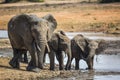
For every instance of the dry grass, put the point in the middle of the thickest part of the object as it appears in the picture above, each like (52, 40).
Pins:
(73, 17)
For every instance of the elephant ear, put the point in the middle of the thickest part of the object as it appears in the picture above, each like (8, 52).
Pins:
(80, 41)
(93, 44)
(62, 37)
(52, 20)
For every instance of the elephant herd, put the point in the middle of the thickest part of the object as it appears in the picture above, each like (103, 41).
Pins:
(37, 35)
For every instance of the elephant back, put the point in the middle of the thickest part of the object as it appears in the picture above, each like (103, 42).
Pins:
(80, 41)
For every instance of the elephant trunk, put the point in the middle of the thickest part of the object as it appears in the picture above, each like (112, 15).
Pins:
(90, 54)
(68, 52)
(40, 47)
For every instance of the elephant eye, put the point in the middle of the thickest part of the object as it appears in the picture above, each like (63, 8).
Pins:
(35, 23)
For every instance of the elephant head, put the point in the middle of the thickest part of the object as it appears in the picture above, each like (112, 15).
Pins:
(42, 27)
(32, 33)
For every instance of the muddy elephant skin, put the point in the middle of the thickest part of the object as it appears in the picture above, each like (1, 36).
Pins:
(59, 43)
(83, 48)
(30, 33)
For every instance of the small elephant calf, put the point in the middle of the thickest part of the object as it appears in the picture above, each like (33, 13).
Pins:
(83, 48)
(58, 43)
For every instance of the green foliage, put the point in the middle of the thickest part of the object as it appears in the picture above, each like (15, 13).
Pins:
(36, 0)
(108, 1)
(9, 1)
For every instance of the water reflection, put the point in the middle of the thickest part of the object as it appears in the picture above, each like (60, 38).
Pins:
(3, 34)
(107, 77)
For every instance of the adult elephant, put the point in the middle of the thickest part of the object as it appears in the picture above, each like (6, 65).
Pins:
(30, 33)
(59, 43)
(83, 48)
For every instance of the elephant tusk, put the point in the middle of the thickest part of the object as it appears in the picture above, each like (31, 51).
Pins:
(48, 48)
(38, 47)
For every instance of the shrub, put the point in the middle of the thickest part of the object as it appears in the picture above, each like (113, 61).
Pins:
(36, 0)
(108, 1)
(8, 1)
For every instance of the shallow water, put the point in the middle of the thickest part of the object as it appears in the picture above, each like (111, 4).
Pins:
(107, 77)
(91, 35)
(94, 36)
(102, 63)
(3, 34)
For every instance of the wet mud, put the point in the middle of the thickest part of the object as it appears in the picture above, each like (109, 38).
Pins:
(106, 65)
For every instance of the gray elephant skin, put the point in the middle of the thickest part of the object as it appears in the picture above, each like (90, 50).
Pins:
(83, 48)
(30, 33)
(59, 43)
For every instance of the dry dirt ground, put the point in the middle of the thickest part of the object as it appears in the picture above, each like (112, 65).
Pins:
(71, 16)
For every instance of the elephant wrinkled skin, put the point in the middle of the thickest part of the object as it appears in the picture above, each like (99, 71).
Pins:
(83, 48)
(30, 33)
(58, 43)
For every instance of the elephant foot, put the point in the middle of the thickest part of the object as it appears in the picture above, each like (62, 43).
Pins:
(89, 68)
(40, 66)
(52, 69)
(76, 68)
(67, 68)
(14, 64)
(24, 62)
(33, 69)
(61, 68)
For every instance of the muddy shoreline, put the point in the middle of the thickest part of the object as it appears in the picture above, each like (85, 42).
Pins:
(8, 73)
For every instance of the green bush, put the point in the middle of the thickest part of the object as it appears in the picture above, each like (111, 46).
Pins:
(108, 1)
(9, 1)
(36, 0)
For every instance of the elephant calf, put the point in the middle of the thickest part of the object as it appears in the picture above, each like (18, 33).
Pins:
(58, 43)
(83, 48)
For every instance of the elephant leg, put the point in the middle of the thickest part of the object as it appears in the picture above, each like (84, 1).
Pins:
(33, 64)
(14, 62)
(70, 64)
(44, 58)
(90, 63)
(59, 56)
(77, 64)
(52, 60)
(25, 56)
